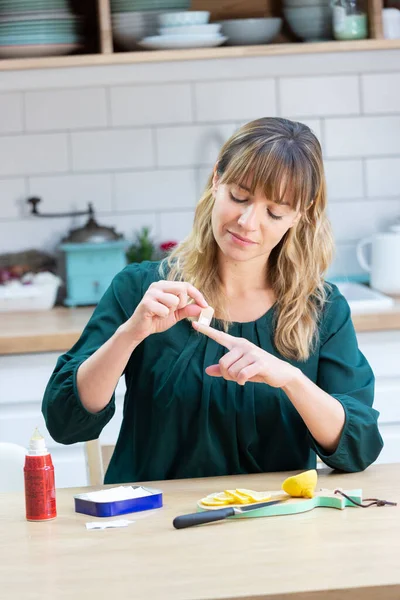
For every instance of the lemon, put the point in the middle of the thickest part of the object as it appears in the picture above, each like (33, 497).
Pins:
(302, 485)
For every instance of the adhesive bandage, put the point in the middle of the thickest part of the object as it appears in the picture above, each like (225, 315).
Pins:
(206, 315)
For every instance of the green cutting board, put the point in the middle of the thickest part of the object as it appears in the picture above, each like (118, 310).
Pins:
(291, 506)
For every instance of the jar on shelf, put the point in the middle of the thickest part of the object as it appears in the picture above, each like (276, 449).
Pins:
(350, 21)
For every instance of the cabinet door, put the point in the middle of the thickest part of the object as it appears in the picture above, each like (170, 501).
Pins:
(382, 350)
(23, 379)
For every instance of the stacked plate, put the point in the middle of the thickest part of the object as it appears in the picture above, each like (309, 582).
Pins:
(31, 28)
(127, 6)
(189, 29)
(133, 20)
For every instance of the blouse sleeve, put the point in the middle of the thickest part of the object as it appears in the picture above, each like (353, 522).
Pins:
(344, 373)
(66, 418)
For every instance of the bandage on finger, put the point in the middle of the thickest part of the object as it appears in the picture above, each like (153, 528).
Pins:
(206, 315)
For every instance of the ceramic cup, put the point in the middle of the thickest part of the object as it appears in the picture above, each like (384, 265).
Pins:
(391, 23)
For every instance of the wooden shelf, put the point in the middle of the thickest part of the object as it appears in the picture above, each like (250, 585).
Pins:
(120, 58)
(220, 8)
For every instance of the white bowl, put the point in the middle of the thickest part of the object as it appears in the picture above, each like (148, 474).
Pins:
(188, 17)
(208, 29)
(41, 294)
(130, 28)
(243, 32)
(310, 23)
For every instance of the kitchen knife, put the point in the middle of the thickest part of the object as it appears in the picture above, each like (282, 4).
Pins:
(209, 516)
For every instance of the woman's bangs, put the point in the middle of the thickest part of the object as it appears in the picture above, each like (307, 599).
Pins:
(283, 178)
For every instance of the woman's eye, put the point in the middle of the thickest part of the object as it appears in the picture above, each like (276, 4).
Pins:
(232, 197)
(274, 216)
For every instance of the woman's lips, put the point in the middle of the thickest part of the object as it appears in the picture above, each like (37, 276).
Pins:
(242, 241)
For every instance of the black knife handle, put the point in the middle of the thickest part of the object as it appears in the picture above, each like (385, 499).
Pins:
(199, 518)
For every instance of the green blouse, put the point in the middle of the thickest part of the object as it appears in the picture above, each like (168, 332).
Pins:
(178, 422)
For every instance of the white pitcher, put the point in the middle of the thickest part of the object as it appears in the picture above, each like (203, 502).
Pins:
(385, 260)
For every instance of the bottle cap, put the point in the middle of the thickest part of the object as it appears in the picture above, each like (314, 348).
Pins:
(37, 445)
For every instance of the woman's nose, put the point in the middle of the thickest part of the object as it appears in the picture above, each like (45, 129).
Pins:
(248, 218)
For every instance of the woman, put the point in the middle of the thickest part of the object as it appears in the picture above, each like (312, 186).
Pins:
(276, 380)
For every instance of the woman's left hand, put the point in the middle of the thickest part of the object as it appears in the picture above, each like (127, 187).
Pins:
(246, 361)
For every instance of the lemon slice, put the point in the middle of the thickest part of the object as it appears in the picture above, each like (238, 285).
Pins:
(219, 499)
(253, 496)
(237, 497)
(213, 502)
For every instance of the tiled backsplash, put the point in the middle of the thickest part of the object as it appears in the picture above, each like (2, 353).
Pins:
(138, 141)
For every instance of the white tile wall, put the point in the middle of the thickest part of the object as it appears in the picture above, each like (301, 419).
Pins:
(11, 113)
(169, 190)
(190, 145)
(362, 136)
(151, 104)
(344, 179)
(383, 176)
(13, 193)
(235, 100)
(203, 173)
(175, 225)
(344, 216)
(29, 154)
(381, 92)
(310, 96)
(112, 149)
(140, 140)
(65, 109)
(74, 191)
(383, 61)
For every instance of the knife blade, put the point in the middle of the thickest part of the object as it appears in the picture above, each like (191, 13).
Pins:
(209, 516)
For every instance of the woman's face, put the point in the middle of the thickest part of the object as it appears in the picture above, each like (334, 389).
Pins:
(248, 226)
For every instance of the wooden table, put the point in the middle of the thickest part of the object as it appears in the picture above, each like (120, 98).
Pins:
(354, 554)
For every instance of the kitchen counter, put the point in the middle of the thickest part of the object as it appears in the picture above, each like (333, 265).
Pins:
(351, 554)
(57, 330)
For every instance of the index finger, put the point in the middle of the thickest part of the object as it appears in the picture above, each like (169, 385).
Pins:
(218, 336)
(194, 293)
(180, 286)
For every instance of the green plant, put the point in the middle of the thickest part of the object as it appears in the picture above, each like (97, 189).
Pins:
(143, 247)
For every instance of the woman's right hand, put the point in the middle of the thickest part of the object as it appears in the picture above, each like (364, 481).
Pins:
(163, 305)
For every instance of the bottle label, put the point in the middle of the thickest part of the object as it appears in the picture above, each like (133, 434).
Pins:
(40, 494)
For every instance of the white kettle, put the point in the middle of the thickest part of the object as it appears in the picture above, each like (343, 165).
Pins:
(385, 260)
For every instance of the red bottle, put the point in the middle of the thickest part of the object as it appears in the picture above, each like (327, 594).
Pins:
(40, 491)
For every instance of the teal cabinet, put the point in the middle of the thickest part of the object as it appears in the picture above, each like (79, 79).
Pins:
(90, 269)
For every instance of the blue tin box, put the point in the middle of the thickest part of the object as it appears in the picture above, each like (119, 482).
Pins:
(119, 507)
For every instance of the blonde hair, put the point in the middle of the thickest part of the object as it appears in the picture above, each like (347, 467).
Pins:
(284, 159)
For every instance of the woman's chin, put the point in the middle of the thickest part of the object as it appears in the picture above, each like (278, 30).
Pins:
(236, 254)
